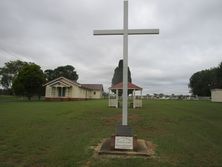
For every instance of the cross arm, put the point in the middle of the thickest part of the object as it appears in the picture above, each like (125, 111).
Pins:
(142, 31)
(108, 32)
(130, 32)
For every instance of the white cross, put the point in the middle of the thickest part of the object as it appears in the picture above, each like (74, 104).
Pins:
(125, 32)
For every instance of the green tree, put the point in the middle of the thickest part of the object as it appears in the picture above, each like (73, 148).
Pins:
(67, 71)
(203, 81)
(49, 74)
(219, 76)
(29, 81)
(6, 81)
(9, 72)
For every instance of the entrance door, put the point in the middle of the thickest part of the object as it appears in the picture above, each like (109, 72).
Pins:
(61, 91)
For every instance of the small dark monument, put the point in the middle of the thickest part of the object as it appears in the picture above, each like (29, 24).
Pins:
(124, 142)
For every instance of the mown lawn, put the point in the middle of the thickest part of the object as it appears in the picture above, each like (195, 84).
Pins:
(58, 134)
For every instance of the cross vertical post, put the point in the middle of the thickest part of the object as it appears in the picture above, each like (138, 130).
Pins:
(125, 65)
(125, 32)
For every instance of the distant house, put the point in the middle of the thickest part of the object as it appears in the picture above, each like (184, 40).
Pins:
(216, 95)
(64, 89)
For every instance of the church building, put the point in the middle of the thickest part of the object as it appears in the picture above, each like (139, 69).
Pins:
(64, 89)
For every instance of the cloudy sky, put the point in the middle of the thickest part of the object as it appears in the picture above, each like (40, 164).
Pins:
(55, 33)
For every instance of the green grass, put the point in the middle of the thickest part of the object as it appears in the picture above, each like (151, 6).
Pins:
(60, 134)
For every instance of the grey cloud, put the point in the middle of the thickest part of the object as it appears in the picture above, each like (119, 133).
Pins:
(53, 33)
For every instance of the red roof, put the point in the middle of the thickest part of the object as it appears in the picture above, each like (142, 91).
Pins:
(93, 86)
(130, 86)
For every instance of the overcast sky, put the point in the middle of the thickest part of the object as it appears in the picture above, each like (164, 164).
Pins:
(54, 33)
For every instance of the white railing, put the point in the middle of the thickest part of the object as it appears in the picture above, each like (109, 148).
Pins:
(113, 103)
(137, 103)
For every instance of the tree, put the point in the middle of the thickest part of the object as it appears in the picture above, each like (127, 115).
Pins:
(49, 74)
(9, 72)
(6, 81)
(29, 81)
(219, 76)
(203, 81)
(118, 74)
(67, 71)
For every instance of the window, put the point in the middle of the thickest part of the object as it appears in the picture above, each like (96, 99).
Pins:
(94, 93)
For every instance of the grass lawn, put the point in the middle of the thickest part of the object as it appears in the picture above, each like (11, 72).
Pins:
(58, 134)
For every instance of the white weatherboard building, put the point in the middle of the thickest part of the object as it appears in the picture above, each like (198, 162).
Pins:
(216, 95)
(64, 89)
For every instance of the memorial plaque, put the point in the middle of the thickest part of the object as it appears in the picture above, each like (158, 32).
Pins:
(123, 142)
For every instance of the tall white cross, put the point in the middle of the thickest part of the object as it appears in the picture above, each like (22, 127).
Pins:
(125, 32)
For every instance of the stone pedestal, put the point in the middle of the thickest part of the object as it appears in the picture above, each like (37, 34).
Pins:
(141, 148)
(123, 139)
(123, 142)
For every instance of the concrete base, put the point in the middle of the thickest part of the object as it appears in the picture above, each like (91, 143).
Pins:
(144, 148)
